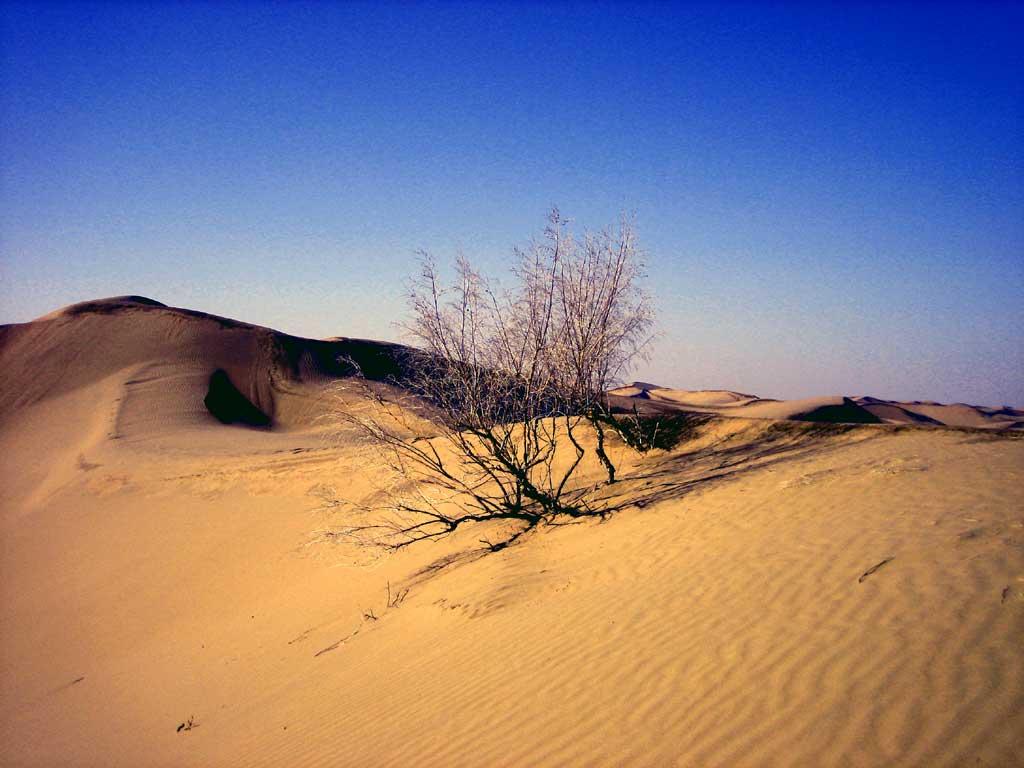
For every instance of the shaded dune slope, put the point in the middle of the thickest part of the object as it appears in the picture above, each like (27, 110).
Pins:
(175, 367)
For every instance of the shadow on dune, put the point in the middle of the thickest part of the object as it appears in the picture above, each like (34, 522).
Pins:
(664, 432)
(731, 457)
(847, 413)
(683, 472)
(229, 406)
(340, 358)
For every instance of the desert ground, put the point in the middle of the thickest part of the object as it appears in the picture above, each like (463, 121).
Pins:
(832, 582)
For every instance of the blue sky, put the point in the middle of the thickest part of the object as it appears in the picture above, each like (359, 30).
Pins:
(832, 196)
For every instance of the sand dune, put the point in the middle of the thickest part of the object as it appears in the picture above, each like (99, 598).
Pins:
(769, 593)
(176, 368)
(704, 397)
(839, 409)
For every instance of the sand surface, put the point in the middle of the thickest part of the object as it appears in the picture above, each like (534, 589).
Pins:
(768, 593)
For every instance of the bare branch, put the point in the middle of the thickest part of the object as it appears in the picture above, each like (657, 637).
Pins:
(502, 382)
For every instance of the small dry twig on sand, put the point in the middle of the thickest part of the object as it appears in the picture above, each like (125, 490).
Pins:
(396, 600)
(188, 725)
(337, 644)
(874, 568)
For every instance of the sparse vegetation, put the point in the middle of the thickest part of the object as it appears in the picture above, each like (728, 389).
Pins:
(644, 433)
(397, 598)
(505, 397)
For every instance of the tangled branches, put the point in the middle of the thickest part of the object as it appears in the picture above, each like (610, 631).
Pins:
(503, 400)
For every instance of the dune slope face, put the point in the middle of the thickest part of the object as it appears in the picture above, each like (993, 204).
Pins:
(175, 367)
(767, 594)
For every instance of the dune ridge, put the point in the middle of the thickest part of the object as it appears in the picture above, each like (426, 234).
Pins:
(839, 409)
(171, 357)
(148, 344)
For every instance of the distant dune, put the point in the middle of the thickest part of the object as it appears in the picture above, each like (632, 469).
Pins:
(854, 410)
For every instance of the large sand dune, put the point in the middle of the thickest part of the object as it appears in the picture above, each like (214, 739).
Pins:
(175, 367)
(768, 593)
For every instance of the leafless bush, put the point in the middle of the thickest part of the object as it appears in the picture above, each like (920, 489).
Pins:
(505, 394)
(647, 432)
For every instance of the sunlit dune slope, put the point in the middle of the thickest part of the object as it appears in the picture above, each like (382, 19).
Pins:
(766, 593)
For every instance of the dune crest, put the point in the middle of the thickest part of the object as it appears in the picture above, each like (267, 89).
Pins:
(837, 409)
(169, 364)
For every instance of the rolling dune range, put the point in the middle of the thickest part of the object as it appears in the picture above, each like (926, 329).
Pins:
(841, 409)
(775, 591)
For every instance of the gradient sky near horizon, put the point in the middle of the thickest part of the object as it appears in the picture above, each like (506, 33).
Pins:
(831, 196)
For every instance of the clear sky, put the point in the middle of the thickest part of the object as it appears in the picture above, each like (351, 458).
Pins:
(832, 196)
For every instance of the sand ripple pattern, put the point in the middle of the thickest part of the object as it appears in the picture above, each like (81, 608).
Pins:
(731, 629)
